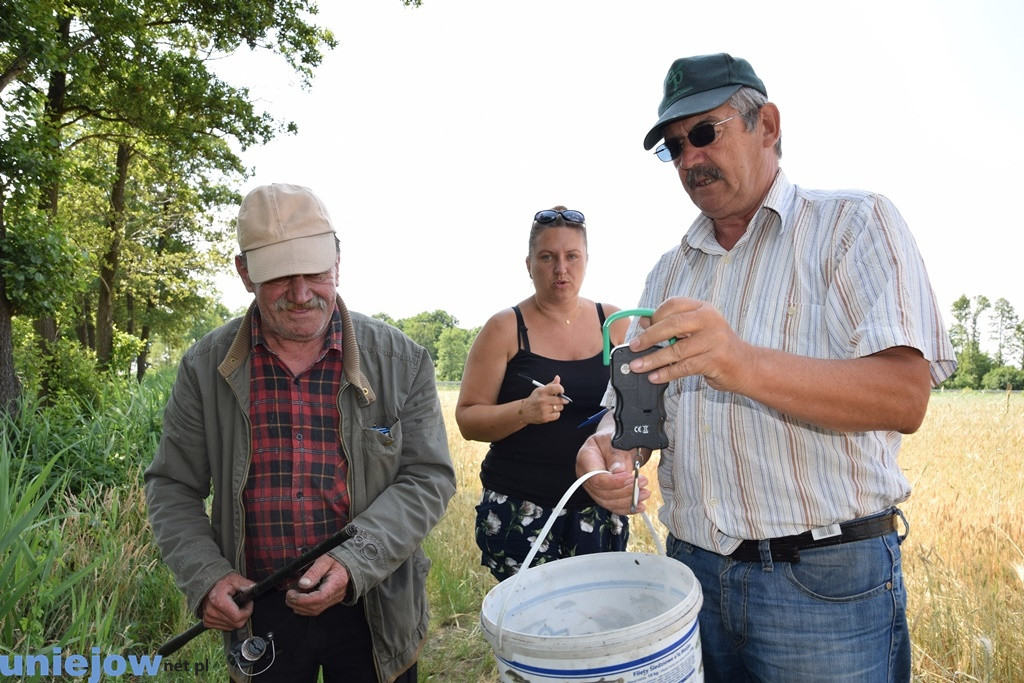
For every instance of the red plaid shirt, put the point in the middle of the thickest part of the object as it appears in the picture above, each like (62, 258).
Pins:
(296, 494)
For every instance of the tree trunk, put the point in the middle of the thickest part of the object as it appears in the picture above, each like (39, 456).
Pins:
(85, 330)
(142, 363)
(46, 325)
(110, 263)
(10, 386)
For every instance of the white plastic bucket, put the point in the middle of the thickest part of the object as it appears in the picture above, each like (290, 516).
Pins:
(618, 616)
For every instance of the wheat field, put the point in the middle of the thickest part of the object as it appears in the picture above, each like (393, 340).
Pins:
(963, 560)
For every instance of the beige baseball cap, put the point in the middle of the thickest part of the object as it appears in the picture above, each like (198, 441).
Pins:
(285, 230)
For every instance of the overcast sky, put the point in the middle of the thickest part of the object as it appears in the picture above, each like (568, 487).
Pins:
(434, 134)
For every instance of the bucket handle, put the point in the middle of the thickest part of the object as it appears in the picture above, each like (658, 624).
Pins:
(540, 541)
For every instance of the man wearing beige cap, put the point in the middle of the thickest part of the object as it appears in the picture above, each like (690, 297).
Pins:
(304, 418)
(806, 338)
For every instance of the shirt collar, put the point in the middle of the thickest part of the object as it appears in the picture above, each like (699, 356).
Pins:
(332, 342)
(778, 200)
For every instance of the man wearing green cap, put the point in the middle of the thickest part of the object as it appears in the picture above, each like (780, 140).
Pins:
(806, 339)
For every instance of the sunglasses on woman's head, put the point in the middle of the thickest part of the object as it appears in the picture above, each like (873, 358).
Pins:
(702, 135)
(549, 215)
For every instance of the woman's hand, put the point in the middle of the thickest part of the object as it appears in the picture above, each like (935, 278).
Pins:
(544, 404)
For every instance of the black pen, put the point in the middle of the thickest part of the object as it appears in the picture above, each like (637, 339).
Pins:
(541, 384)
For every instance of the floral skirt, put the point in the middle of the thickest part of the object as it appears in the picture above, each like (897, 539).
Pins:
(507, 527)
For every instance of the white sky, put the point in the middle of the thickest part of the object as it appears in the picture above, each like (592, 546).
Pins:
(434, 134)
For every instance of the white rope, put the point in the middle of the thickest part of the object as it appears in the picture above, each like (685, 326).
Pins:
(544, 534)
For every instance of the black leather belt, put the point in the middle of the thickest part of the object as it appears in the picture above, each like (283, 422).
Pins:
(787, 548)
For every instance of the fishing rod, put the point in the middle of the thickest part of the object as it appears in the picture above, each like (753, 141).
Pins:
(253, 592)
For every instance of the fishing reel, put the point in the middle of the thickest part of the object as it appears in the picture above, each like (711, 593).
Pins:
(252, 653)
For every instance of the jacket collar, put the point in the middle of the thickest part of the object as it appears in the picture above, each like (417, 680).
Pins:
(241, 346)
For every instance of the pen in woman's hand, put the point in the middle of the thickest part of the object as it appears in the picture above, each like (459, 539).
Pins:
(541, 384)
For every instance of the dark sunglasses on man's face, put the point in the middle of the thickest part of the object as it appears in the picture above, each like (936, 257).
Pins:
(702, 135)
(549, 215)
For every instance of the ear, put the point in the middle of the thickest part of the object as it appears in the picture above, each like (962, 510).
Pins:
(772, 123)
(243, 273)
(528, 271)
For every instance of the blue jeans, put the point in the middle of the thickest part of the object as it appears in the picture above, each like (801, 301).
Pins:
(839, 614)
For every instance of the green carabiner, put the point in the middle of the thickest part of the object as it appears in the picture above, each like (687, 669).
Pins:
(606, 329)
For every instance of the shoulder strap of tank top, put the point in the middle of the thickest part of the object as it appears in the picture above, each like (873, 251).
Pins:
(600, 314)
(524, 339)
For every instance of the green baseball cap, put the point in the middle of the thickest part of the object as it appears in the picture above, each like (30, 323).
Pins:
(699, 84)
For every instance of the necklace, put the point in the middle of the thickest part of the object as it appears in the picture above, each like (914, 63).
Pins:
(568, 321)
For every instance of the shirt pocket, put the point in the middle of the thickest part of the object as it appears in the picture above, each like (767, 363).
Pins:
(794, 327)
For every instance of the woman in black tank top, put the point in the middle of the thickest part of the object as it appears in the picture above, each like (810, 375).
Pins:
(555, 338)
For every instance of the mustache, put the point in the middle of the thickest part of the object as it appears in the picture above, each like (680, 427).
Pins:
(315, 303)
(698, 174)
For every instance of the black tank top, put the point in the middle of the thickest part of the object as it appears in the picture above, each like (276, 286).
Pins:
(538, 462)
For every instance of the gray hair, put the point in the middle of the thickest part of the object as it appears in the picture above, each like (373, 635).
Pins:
(748, 102)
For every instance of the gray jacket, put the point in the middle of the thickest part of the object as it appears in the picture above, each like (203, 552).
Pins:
(399, 483)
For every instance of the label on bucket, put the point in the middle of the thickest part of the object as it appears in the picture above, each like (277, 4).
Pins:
(678, 661)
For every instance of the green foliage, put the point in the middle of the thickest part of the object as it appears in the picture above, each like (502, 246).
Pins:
(972, 365)
(117, 154)
(1002, 324)
(384, 317)
(425, 329)
(1015, 345)
(32, 258)
(23, 499)
(438, 332)
(79, 569)
(101, 441)
(69, 369)
(452, 350)
(1003, 377)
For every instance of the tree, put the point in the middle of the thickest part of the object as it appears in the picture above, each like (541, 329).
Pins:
(1002, 378)
(452, 350)
(981, 304)
(958, 330)
(425, 329)
(1015, 344)
(384, 317)
(1004, 320)
(437, 332)
(972, 364)
(127, 80)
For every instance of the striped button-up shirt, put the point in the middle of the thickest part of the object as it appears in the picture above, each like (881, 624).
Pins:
(828, 275)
